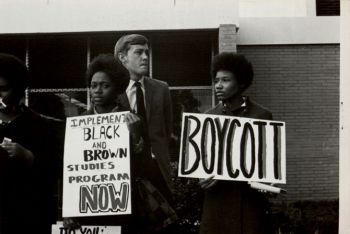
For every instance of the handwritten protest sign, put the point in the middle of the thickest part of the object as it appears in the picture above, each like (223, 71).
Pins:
(59, 229)
(96, 176)
(232, 148)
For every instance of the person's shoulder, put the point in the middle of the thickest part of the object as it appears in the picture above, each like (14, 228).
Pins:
(34, 116)
(257, 106)
(119, 108)
(259, 110)
(156, 82)
(215, 110)
(88, 112)
(44, 121)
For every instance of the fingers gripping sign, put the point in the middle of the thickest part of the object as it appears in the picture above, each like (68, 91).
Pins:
(17, 151)
(133, 122)
(207, 183)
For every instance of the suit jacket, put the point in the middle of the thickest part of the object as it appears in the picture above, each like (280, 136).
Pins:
(159, 120)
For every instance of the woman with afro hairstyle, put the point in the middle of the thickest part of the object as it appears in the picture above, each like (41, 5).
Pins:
(108, 79)
(233, 206)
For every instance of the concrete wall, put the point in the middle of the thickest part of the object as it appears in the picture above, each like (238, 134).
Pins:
(45, 16)
(277, 8)
(288, 30)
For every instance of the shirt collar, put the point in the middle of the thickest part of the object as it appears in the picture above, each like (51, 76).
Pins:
(115, 109)
(132, 82)
(235, 108)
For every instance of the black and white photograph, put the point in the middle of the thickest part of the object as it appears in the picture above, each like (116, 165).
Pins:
(174, 116)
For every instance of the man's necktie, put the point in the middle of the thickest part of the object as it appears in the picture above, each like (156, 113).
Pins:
(141, 111)
(140, 104)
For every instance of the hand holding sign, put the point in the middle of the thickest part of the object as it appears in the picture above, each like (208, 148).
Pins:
(134, 124)
(96, 177)
(71, 223)
(16, 150)
(207, 183)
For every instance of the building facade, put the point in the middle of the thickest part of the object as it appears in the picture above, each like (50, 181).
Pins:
(295, 54)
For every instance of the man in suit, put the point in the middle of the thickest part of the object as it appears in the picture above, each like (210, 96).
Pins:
(133, 52)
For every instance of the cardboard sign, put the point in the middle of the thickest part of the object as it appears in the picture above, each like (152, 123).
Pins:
(59, 229)
(232, 148)
(96, 174)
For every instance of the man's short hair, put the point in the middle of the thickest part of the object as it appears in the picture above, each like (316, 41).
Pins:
(15, 72)
(237, 64)
(108, 64)
(123, 44)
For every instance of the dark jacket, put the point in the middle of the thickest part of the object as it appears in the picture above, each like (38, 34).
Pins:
(27, 202)
(251, 110)
(232, 206)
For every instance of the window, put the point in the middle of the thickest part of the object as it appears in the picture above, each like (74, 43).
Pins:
(57, 64)
(183, 58)
(57, 61)
(327, 7)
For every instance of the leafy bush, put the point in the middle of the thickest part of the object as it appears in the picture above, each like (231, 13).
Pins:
(304, 217)
(188, 197)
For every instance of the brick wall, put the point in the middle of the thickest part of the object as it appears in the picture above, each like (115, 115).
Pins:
(300, 85)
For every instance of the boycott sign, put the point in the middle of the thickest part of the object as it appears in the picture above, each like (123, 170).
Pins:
(96, 174)
(232, 148)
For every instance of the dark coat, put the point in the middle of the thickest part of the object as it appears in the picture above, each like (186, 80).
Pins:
(252, 110)
(27, 202)
(232, 206)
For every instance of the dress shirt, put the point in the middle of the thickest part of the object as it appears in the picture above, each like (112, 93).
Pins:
(131, 93)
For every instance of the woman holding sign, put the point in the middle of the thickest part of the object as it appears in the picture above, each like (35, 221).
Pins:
(108, 79)
(27, 157)
(233, 206)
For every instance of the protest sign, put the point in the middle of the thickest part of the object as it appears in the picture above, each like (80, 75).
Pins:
(232, 148)
(59, 229)
(96, 174)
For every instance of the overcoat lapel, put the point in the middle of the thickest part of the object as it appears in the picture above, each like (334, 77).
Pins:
(124, 102)
(148, 96)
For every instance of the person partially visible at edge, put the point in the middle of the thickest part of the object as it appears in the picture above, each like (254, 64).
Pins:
(28, 157)
(132, 51)
(107, 79)
(233, 206)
